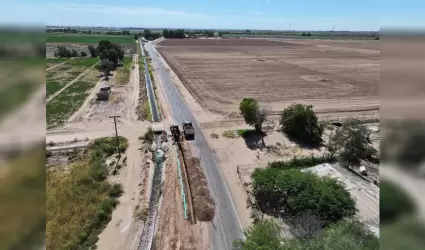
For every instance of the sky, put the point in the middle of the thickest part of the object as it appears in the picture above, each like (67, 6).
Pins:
(359, 15)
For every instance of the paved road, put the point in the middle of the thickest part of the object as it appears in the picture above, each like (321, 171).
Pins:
(151, 95)
(227, 226)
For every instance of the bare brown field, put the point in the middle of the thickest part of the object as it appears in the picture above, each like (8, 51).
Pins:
(220, 73)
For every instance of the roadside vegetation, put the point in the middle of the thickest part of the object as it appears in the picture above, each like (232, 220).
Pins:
(123, 73)
(80, 202)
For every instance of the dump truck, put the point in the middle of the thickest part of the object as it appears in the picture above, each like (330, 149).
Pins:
(188, 130)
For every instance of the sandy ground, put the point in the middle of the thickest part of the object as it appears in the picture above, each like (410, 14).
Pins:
(123, 231)
(123, 102)
(173, 231)
(220, 73)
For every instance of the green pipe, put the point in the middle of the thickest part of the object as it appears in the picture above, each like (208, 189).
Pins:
(181, 187)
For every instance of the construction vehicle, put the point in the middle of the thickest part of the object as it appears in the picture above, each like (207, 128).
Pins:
(175, 132)
(188, 130)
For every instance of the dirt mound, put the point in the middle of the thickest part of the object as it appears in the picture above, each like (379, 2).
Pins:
(203, 203)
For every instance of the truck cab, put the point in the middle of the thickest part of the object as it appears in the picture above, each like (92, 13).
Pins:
(188, 130)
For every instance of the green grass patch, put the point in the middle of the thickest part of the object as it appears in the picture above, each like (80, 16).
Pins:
(123, 73)
(147, 115)
(80, 202)
(83, 62)
(85, 38)
(64, 105)
(237, 133)
(230, 134)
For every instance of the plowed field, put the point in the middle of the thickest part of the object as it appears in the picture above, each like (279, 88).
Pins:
(220, 73)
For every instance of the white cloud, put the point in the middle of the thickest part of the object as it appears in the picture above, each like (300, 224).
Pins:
(259, 13)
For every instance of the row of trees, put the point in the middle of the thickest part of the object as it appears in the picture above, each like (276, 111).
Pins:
(300, 123)
(178, 33)
(109, 53)
(63, 51)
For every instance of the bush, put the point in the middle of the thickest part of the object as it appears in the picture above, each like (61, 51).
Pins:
(302, 162)
(83, 54)
(350, 141)
(394, 202)
(299, 122)
(149, 136)
(266, 234)
(292, 193)
(116, 190)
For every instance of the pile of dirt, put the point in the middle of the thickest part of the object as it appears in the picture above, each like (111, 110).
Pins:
(203, 203)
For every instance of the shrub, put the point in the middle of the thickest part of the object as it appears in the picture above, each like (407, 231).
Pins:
(300, 122)
(116, 190)
(302, 162)
(291, 193)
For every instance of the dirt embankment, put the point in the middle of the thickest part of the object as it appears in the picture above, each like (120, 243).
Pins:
(203, 203)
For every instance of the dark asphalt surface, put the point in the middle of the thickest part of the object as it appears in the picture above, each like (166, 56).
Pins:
(151, 95)
(226, 224)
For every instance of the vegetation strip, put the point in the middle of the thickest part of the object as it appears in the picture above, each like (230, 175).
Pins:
(54, 38)
(80, 202)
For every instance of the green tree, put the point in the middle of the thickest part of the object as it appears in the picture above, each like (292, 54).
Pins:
(253, 113)
(110, 55)
(165, 33)
(106, 67)
(92, 50)
(292, 193)
(63, 52)
(300, 122)
(350, 142)
(83, 54)
(74, 53)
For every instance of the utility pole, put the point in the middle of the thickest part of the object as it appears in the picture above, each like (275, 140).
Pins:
(116, 133)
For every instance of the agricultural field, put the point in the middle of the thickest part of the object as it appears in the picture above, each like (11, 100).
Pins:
(337, 77)
(82, 41)
(93, 39)
(60, 108)
(58, 77)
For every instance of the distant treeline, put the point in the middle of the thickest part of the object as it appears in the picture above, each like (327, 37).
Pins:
(76, 31)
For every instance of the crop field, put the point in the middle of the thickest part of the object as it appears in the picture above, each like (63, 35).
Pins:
(59, 109)
(94, 39)
(61, 75)
(220, 73)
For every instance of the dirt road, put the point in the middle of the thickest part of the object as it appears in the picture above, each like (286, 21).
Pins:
(123, 228)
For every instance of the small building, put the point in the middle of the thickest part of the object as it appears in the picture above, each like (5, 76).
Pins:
(103, 94)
